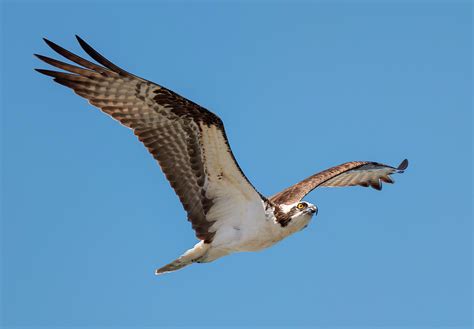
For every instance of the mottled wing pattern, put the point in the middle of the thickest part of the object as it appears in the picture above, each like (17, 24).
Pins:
(362, 173)
(188, 141)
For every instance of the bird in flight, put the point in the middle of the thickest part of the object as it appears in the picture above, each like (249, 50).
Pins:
(189, 142)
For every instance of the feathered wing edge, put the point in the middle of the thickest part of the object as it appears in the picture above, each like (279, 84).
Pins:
(362, 173)
(162, 120)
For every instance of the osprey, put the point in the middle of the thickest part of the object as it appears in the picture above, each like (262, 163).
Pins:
(189, 142)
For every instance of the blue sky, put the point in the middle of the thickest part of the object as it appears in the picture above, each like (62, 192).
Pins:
(301, 86)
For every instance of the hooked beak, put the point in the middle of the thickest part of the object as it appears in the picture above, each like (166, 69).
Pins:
(313, 210)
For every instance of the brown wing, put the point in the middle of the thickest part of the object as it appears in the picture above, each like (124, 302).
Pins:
(361, 173)
(188, 141)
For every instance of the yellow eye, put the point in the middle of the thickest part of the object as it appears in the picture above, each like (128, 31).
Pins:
(301, 205)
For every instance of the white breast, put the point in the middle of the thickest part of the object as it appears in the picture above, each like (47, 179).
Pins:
(255, 230)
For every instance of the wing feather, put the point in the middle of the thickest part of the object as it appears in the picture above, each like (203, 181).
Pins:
(188, 141)
(362, 173)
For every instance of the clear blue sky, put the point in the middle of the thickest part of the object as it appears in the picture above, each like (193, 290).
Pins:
(87, 215)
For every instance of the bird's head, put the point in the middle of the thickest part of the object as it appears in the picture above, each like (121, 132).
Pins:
(296, 215)
(303, 208)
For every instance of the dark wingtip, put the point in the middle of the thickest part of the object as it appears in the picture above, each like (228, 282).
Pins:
(40, 71)
(49, 73)
(101, 59)
(79, 39)
(403, 165)
(46, 72)
(41, 57)
(54, 46)
(83, 44)
(49, 43)
(376, 185)
(387, 179)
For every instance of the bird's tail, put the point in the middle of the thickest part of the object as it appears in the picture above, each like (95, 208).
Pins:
(191, 256)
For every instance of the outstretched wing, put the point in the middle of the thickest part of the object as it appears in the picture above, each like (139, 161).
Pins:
(361, 173)
(188, 141)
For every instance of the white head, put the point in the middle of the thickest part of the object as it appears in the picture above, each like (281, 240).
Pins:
(296, 216)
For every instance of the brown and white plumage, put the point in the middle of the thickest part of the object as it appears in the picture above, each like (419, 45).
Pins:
(362, 173)
(190, 144)
(171, 127)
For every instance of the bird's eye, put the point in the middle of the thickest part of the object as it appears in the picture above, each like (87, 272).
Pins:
(301, 205)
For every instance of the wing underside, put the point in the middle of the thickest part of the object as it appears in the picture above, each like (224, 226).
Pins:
(188, 141)
(362, 173)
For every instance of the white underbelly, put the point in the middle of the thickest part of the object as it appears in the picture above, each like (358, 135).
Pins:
(249, 228)
(265, 236)
(254, 234)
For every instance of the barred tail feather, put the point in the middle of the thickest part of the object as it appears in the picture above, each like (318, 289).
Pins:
(191, 256)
